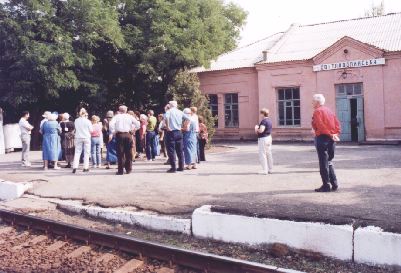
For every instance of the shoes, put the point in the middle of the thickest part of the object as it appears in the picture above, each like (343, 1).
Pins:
(334, 186)
(188, 168)
(86, 170)
(262, 172)
(45, 168)
(171, 171)
(68, 166)
(324, 188)
(74, 170)
(118, 173)
(180, 169)
(129, 172)
(57, 168)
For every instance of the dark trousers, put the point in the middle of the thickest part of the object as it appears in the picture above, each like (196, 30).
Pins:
(124, 152)
(202, 145)
(175, 145)
(325, 147)
(151, 145)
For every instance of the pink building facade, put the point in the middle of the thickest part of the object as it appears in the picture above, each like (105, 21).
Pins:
(358, 71)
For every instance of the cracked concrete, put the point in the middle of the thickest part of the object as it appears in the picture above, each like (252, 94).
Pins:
(369, 176)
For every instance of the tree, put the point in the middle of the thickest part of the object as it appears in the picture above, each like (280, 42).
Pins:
(185, 90)
(46, 51)
(165, 37)
(375, 10)
(59, 55)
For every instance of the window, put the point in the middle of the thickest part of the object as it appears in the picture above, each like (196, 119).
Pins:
(289, 107)
(349, 89)
(231, 110)
(214, 108)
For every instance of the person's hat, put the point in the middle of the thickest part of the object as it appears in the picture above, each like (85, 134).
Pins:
(187, 111)
(109, 114)
(173, 103)
(46, 114)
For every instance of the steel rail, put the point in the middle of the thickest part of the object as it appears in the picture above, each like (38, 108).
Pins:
(144, 249)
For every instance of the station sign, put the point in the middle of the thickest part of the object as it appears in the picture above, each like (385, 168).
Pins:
(349, 64)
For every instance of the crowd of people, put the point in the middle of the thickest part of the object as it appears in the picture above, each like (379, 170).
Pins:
(126, 136)
(181, 135)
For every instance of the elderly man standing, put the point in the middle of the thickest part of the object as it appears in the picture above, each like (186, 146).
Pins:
(122, 126)
(26, 129)
(326, 128)
(174, 119)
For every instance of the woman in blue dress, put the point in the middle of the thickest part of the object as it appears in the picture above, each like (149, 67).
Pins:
(51, 145)
(190, 141)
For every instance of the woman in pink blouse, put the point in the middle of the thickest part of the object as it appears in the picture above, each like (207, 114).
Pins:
(96, 142)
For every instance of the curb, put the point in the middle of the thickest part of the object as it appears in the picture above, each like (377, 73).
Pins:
(330, 240)
(373, 246)
(13, 190)
(143, 219)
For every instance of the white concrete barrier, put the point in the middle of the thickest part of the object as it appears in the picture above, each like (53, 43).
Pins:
(330, 240)
(2, 147)
(373, 246)
(13, 190)
(143, 219)
(12, 136)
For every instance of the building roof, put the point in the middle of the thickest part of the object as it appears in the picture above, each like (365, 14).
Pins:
(245, 56)
(303, 42)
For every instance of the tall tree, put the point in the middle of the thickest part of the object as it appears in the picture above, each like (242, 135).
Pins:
(46, 50)
(60, 54)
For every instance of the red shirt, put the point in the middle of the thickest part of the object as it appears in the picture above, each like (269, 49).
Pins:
(325, 122)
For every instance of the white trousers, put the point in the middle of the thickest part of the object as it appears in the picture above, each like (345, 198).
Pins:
(265, 153)
(85, 144)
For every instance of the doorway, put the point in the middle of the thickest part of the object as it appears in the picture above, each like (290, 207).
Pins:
(350, 111)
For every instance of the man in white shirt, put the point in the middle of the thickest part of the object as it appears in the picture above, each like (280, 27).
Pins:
(26, 129)
(122, 126)
(83, 129)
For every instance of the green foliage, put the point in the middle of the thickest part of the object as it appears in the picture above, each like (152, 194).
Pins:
(58, 55)
(185, 90)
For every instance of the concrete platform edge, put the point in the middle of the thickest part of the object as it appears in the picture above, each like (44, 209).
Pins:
(330, 240)
(143, 219)
(13, 190)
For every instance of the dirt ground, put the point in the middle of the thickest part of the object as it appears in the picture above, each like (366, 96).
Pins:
(369, 177)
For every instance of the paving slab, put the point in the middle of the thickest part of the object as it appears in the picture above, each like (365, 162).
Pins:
(369, 176)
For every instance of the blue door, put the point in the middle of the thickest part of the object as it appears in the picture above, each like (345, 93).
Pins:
(343, 107)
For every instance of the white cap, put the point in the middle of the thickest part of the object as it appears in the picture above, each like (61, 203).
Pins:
(173, 103)
(46, 114)
(187, 111)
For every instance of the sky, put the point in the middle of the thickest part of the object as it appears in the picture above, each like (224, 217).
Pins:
(266, 17)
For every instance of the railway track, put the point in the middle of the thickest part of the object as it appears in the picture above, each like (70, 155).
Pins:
(33, 244)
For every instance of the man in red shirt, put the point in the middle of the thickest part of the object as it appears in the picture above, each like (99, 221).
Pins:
(326, 129)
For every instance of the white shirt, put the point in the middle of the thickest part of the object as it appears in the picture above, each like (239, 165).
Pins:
(41, 124)
(123, 123)
(195, 118)
(83, 128)
(25, 126)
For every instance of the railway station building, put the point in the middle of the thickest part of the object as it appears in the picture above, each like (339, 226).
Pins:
(355, 63)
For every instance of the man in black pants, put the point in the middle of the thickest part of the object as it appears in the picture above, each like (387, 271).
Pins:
(326, 128)
(174, 140)
(123, 125)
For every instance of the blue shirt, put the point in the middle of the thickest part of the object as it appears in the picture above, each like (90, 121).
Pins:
(175, 118)
(267, 123)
